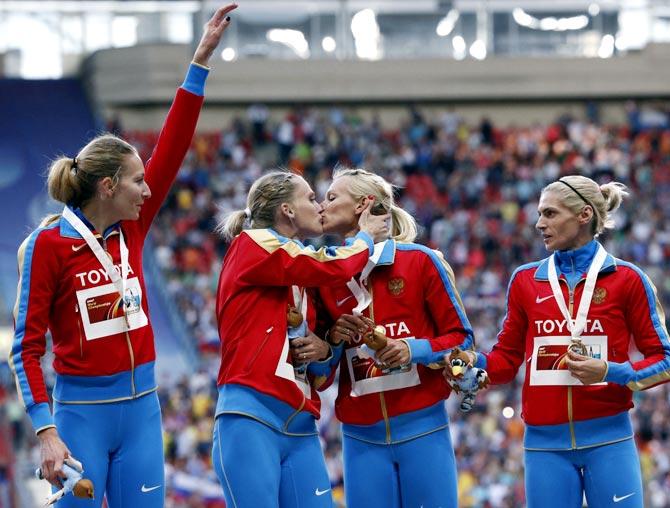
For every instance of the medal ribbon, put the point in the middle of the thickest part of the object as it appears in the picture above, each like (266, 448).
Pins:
(118, 280)
(358, 289)
(300, 301)
(577, 326)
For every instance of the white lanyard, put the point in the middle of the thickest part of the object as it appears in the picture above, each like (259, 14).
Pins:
(577, 327)
(112, 272)
(358, 289)
(300, 301)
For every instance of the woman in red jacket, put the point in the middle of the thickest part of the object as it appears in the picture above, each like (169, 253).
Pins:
(396, 443)
(266, 450)
(572, 319)
(81, 278)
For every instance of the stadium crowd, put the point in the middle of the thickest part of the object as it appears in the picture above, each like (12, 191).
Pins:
(474, 191)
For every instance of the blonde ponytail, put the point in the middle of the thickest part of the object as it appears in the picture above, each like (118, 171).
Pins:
(62, 180)
(404, 226)
(232, 225)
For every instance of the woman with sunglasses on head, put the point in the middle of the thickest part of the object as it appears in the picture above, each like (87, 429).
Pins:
(81, 278)
(572, 319)
(396, 444)
(266, 450)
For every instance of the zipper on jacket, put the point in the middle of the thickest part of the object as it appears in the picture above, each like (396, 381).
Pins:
(571, 423)
(290, 418)
(385, 415)
(132, 364)
(382, 399)
(133, 390)
(81, 339)
(260, 348)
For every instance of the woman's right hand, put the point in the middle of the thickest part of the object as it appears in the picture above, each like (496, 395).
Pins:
(377, 226)
(212, 33)
(52, 454)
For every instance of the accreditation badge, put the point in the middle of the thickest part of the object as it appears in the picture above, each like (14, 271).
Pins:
(367, 377)
(103, 313)
(547, 365)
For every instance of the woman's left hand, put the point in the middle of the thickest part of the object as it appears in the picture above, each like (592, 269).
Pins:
(212, 34)
(395, 354)
(309, 349)
(585, 369)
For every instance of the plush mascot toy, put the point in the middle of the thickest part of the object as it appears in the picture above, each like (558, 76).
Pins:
(464, 378)
(74, 482)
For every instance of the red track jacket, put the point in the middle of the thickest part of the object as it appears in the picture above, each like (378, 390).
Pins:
(60, 279)
(415, 299)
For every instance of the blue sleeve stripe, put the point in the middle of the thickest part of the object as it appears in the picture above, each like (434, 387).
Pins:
(659, 325)
(451, 290)
(194, 81)
(21, 311)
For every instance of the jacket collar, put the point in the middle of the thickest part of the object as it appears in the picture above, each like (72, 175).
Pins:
(387, 256)
(388, 253)
(67, 230)
(579, 258)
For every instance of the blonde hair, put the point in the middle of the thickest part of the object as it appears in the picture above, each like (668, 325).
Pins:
(364, 183)
(576, 192)
(73, 181)
(265, 196)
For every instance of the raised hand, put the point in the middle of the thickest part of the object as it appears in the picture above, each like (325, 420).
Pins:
(212, 34)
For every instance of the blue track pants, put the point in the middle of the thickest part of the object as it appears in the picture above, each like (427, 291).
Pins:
(410, 474)
(609, 476)
(261, 467)
(120, 445)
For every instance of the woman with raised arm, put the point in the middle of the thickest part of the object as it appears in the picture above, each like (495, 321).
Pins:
(81, 278)
(572, 319)
(396, 444)
(266, 450)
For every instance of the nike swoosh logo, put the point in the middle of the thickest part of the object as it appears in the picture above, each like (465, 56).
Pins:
(540, 300)
(617, 499)
(340, 302)
(318, 492)
(75, 248)
(149, 489)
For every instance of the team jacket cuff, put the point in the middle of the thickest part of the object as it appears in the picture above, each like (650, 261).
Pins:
(619, 373)
(321, 367)
(361, 235)
(420, 351)
(194, 81)
(481, 361)
(336, 350)
(40, 416)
